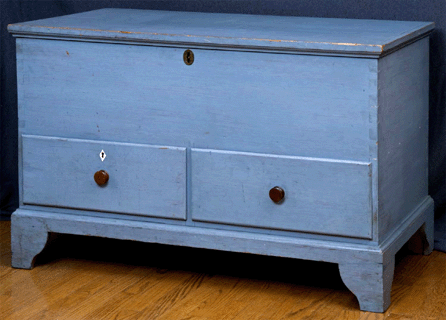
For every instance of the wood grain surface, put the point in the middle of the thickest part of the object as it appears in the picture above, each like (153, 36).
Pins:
(94, 278)
(51, 166)
(205, 29)
(323, 195)
(313, 106)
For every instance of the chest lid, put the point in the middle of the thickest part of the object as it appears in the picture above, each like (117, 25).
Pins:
(236, 31)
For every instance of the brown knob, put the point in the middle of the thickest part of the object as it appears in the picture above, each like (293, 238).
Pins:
(277, 194)
(101, 177)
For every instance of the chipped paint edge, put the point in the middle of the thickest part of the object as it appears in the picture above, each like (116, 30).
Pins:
(20, 30)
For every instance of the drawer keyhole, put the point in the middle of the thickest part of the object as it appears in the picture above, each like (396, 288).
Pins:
(188, 57)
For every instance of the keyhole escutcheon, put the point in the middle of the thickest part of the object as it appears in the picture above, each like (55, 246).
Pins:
(102, 155)
(188, 57)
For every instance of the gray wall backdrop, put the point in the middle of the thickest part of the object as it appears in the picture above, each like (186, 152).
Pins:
(12, 11)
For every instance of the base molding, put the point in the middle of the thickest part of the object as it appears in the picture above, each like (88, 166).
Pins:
(367, 270)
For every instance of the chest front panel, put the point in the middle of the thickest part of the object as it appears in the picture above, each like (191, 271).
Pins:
(315, 106)
(266, 103)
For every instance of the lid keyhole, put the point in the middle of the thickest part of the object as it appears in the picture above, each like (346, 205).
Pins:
(188, 57)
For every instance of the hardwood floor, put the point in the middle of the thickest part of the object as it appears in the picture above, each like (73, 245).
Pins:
(93, 278)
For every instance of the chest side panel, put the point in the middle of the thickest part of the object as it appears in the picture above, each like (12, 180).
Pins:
(246, 101)
(403, 109)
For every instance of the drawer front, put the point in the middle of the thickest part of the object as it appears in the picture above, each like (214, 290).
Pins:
(321, 196)
(316, 106)
(143, 179)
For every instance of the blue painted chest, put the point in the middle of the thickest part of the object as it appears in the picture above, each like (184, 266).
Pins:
(284, 136)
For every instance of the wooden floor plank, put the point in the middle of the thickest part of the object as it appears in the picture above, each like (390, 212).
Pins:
(96, 289)
(93, 278)
(137, 298)
(34, 291)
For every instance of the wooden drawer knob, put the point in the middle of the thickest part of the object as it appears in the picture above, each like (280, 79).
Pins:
(277, 194)
(101, 177)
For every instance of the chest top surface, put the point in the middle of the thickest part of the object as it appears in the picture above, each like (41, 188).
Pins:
(346, 36)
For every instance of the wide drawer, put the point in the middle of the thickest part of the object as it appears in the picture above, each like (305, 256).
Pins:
(321, 195)
(143, 179)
